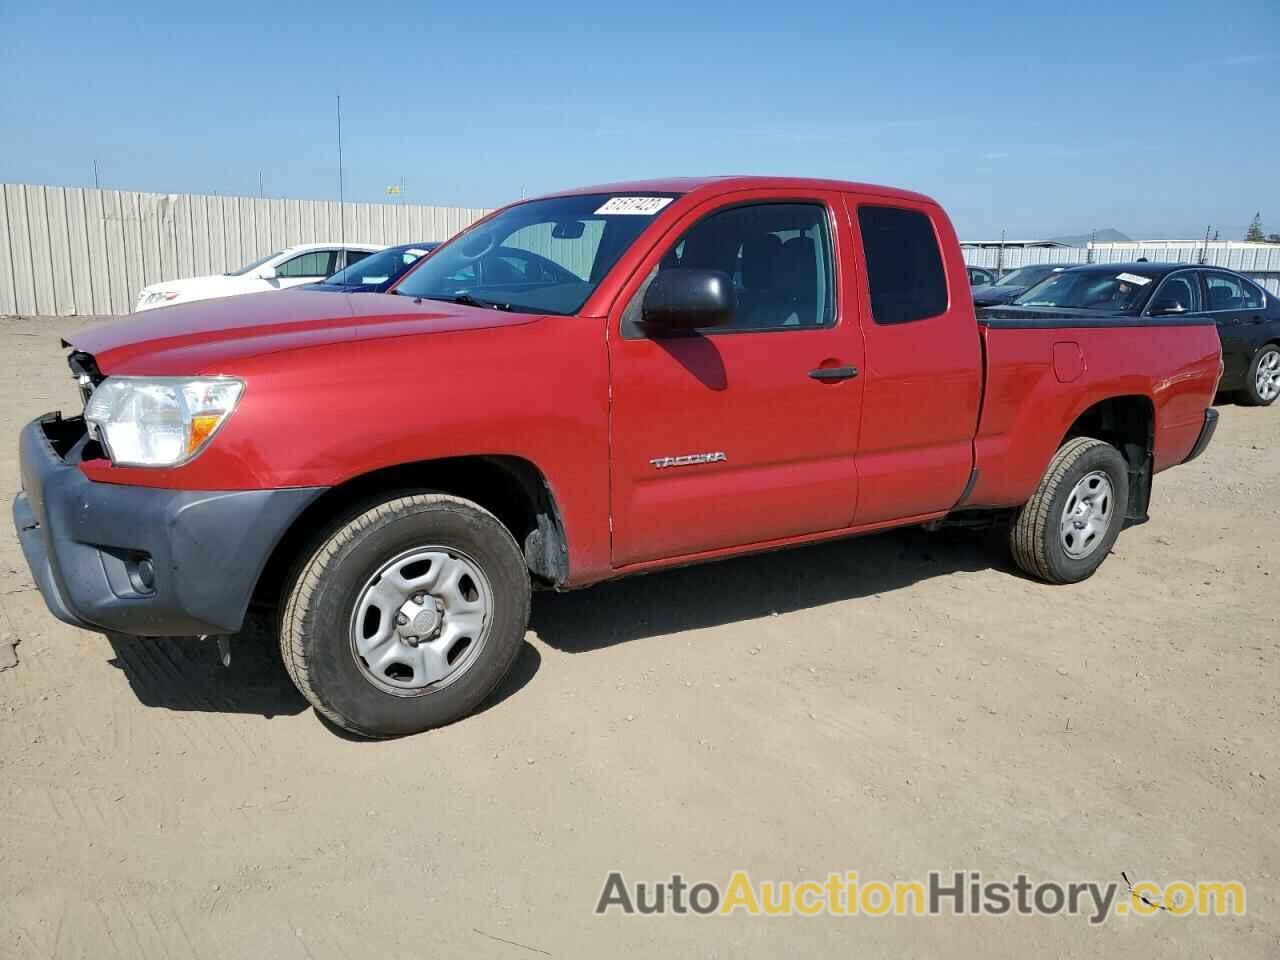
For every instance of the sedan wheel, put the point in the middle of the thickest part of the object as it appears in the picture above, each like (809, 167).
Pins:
(1263, 384)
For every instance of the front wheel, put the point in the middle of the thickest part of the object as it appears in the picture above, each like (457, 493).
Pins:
(406, 617)
(1262, 383)
(1067, 528)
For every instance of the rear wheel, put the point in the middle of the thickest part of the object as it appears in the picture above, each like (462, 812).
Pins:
(1065, 531)
(406, 617)
(1262, 383)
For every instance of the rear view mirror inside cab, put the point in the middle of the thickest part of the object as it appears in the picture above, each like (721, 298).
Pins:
(568, 229)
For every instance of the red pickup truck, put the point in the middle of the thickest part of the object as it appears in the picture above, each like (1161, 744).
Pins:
(601, 382)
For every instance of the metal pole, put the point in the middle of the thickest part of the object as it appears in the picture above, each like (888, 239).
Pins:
(96, 184)
(342, 210)
(1000, 256)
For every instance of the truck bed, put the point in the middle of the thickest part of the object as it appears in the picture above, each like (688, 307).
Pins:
(1030, 356)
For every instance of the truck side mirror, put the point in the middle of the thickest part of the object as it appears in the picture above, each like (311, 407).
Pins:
(683, 299)
(266, 273)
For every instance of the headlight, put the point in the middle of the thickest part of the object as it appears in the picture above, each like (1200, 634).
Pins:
(160, 421)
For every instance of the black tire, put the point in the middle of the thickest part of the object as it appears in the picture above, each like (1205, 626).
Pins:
(1249, 396)
(1036, 539)
(316, 621)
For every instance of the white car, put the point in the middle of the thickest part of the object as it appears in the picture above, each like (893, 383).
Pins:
(305, 263)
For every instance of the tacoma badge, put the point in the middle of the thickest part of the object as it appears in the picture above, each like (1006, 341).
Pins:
(688, 460)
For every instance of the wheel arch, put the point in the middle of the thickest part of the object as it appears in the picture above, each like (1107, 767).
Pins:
(1128, 423)
(511, 488)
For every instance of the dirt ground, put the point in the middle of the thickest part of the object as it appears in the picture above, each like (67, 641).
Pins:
(891, 705)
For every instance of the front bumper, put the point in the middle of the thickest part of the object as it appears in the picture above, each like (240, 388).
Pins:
(141, 560)
(1206, 434)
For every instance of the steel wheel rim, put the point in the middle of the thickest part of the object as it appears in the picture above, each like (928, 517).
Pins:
(421, 620)
(1267, 381)
(1086, 516)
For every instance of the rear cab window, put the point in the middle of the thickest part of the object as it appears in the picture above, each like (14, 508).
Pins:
(904, 264)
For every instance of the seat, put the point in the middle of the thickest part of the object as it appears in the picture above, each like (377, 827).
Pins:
(1220, 297)
(779, 283)
(759, 261)
(760, 256)
(797, 281)
(1176, 296)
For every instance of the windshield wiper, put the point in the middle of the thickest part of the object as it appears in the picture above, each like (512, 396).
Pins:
(467, 300)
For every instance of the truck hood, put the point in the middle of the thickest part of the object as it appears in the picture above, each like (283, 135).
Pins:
(204, 336)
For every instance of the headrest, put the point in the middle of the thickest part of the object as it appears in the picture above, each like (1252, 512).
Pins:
(1220, 297)
(760, 261)
(799, 260)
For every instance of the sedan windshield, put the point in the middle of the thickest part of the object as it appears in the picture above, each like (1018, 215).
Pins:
(379, 268)
(1025, 276)
(254, 265)
(1089, 290)
(544, 256)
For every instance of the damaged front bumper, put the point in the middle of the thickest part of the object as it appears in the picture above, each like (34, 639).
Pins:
(141, 560)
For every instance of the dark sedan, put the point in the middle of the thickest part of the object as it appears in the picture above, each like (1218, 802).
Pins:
(376, 272)
(1014, 283)
(1247, 317)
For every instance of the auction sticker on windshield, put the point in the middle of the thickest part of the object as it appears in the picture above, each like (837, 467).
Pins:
(634, 206)
(1133, 278)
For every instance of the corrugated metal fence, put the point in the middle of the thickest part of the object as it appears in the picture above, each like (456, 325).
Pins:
(1262, 264)
(74, 250)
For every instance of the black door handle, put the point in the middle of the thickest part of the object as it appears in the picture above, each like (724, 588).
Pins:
(834, 373)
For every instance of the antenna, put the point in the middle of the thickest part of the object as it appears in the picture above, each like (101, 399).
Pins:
(342, 210)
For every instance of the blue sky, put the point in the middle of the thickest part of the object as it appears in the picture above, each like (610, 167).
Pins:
(1060, 118)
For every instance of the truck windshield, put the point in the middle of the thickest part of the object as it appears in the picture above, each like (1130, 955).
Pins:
(544, 256)
(1119, 292)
